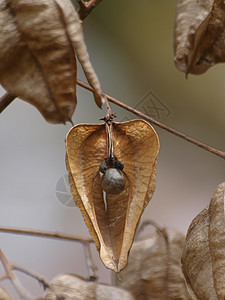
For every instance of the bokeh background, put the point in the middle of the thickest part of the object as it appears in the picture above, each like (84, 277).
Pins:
(131, 48)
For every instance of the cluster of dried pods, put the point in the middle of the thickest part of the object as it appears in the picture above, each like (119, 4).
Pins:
(112, 166)
(156, 262)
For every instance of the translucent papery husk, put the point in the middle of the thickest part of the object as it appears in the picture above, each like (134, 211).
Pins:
(203, 257)
(39, 41)
(112, 222)
(154, 268)
(69, 286)
(199, 35)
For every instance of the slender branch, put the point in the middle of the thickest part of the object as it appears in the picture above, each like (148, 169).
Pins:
(157, 123)
(47, 234)
(9, 274)
(5, 100)
(40, 279)
(143, 116)
(86, 7)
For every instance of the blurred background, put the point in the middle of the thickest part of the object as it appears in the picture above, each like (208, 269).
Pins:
(131, 48)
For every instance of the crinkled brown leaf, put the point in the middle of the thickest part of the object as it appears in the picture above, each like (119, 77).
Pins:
(38, 41)
(154, 268)
(69, 286)
(112, 225)
(4, 295)
(199, 35)
(203, 257)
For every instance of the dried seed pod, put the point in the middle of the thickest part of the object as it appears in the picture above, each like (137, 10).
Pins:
(203, 257)
(39, 41)
(69, 286)
(154, 268)
(199, 37)
(112, 221)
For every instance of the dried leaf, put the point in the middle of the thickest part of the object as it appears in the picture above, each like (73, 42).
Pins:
(38, 41)
(154, 268)
(69, 286)
(203, 257)
(4, 295)
(199, 35)
(112, 219)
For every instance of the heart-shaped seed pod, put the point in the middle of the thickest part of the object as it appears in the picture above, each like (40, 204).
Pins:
(112, 218)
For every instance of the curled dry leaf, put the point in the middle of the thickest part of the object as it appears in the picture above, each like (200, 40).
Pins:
(199, 35)
(69, 286)
(112, 218)
(4, 295)
(38, 42)
(203, 257)
(154, 268)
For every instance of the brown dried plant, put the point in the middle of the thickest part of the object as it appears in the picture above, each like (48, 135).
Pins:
(71, 286)
(154, 267)
(112, 219)
(39, 42)
(199, 37)
(203, 257)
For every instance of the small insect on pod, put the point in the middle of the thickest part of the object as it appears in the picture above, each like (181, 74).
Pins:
(112, 180)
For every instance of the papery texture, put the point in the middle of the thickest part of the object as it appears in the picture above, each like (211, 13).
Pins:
(112, 219)
(199, 36)
(154, 268)
(39, 41)
(203, 257)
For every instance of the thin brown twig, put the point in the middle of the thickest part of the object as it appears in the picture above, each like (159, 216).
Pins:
(40, 279)
(157, 123)
(87, 8)
(5, 100)
(47, 234)
(9, 274)
(187, 138)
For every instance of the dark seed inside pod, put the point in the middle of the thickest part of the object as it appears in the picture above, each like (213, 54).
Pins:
(113, 181)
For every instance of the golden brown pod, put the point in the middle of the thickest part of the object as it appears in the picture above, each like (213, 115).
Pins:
(203, 257)
(199, 35)
(39, 41)
(112, 218)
